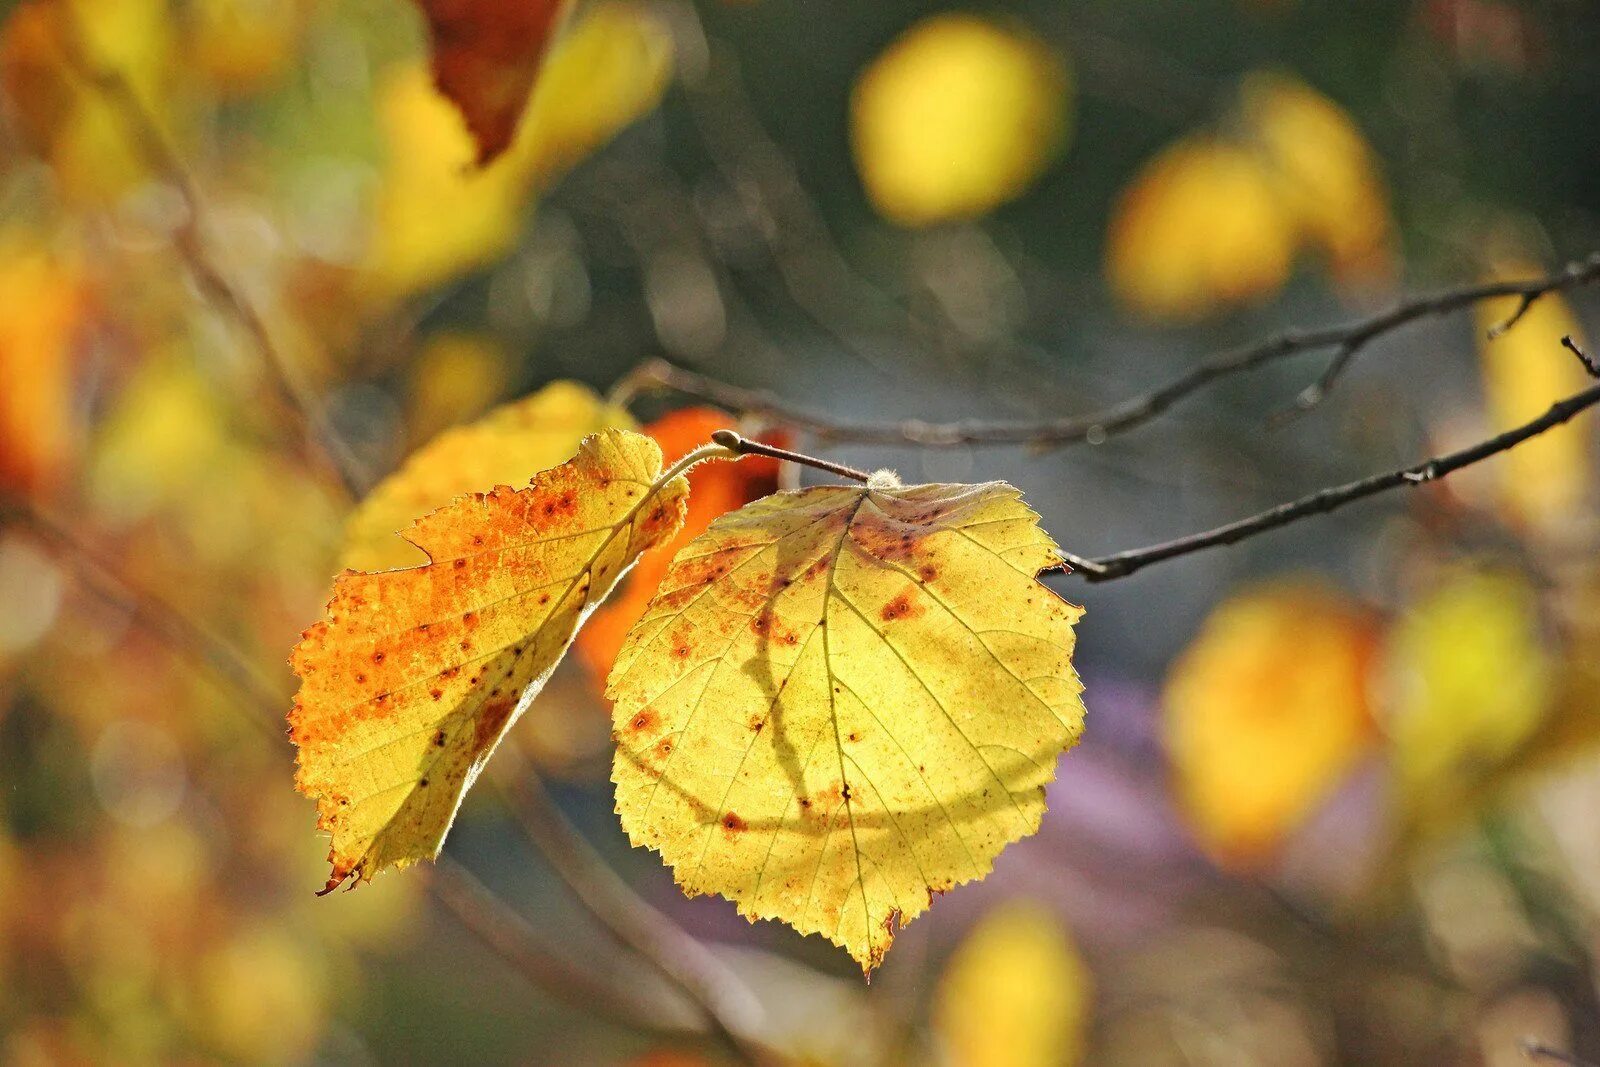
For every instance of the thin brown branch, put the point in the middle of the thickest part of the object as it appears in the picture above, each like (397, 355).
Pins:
(731, 439)
(1346, 340)
(189, 242)
(1123, 564)
(1588, 361)
(731, 1011)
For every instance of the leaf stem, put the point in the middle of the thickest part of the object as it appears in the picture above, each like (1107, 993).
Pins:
(740, 445)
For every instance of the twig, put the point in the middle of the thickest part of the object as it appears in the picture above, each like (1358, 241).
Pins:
(1347, 340)
(732, 1012)
(744, 446)
(188, 240)
(1123, 564)
(1588, 361)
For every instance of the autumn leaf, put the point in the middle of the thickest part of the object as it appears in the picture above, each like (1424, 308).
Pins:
(1015, 994)
(957, 117)
(505, 447)
(715, 488)
(414, 675)
(844, 701)
(486, 55)
(1266, 711)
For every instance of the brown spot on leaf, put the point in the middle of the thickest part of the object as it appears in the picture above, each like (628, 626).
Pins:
(732, 823)
(491, 720)
(901, 607)
(645, 720)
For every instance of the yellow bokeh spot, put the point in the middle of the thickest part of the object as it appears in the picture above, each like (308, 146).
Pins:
(957, 117)
(1201, 225)
(1265, 713)
(1015, 994)
(1470, 681)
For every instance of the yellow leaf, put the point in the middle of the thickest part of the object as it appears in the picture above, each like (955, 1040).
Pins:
(1545, 482)
(957, 117)
(437, 214)
(1265, 712)
(505, 447)
(1015, 994)
(843, 701)
(1471, 681)
(454, 377)
(414, 675)
(1325, 172)
(1200, 226)
(243, 46)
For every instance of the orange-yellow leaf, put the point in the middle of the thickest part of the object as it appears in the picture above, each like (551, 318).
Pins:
(414, 675)
(1266, 712)
(44, 303)
(486, 55)
(715, 489)
(844, 701)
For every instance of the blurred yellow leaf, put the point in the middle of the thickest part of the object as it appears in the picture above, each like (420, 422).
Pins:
(240, 47)
(1015, 994)
(263, 996)
(1201, 225)
(1217, 220)
(163, 439)
(454, 377)
(956, 117)
(1325, 172)
(438, 215)
(1545, 482)
(1470, 680)
(72, 125)
(505, 447)
(1265, 713)
(887, 687)
(44, 301)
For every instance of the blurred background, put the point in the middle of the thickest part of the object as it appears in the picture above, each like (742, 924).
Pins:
(1336, 801)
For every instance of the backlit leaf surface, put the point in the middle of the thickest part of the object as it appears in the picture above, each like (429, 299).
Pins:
(844, 701)
(414, 675)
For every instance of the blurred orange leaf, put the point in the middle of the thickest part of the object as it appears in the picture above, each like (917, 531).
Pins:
(716, 488)
(414, 675)
(1265, 712)
(43, 305)
(486, 55)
